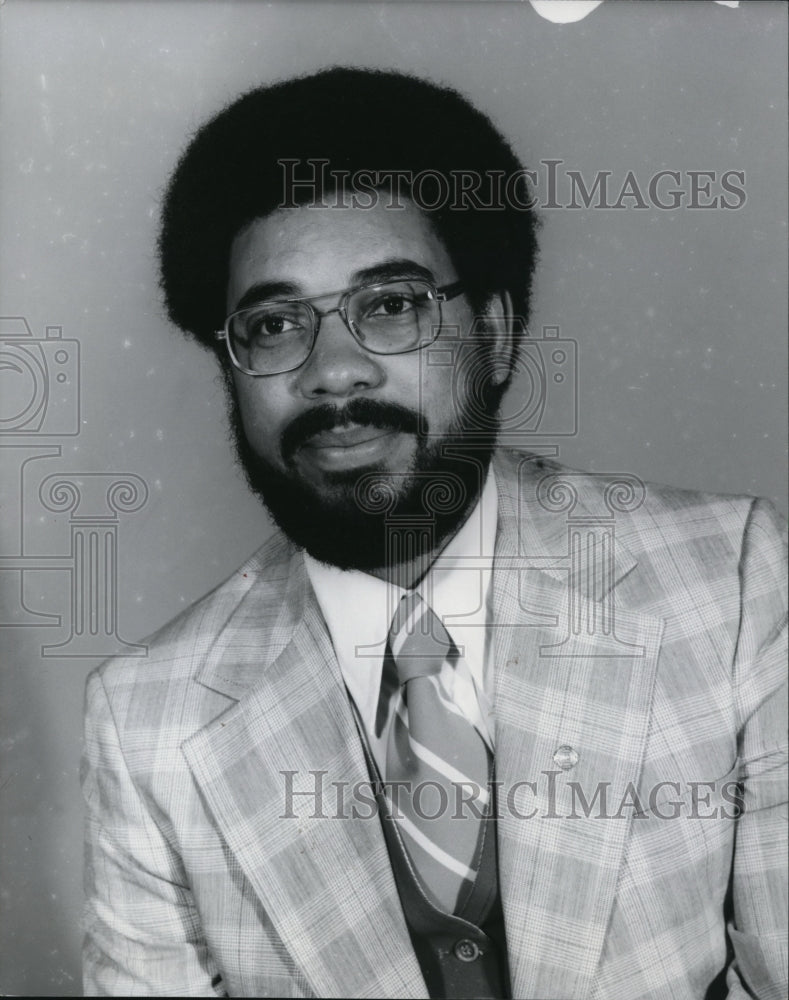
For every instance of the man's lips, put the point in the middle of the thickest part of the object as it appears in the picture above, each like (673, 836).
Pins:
(358, 425)
(346, 448)
(347, 437)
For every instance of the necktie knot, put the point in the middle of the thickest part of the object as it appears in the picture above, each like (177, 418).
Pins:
(418, 640)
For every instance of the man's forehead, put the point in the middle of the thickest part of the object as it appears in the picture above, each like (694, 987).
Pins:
(313, 250)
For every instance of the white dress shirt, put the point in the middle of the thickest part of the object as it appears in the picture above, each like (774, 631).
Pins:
(358, 609)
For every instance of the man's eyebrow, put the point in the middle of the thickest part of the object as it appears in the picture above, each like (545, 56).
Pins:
(263, 290)
(392, 269)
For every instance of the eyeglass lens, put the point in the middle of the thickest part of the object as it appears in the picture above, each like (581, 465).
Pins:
(391, 318)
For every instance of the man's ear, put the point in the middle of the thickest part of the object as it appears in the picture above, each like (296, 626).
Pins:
(499, 326)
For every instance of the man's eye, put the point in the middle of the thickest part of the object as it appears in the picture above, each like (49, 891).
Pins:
(266, 325)
(393, 304)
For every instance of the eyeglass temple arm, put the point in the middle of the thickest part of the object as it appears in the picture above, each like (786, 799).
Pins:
(448, 292)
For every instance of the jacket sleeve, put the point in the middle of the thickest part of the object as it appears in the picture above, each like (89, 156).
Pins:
(758, 931)
(142, 931)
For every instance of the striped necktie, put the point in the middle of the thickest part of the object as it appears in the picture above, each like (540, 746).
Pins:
(438, 754)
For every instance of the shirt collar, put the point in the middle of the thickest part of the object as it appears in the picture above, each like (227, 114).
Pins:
(358, 608)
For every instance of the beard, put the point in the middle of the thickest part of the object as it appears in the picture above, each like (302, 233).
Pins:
(372, 517)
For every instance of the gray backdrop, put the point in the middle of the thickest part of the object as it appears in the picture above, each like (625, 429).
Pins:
(679, 316)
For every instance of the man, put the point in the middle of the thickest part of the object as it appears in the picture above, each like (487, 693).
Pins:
(447, 733)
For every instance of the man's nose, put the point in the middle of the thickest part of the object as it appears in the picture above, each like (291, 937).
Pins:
(338, 365)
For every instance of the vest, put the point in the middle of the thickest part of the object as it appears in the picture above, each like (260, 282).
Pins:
(463, 956)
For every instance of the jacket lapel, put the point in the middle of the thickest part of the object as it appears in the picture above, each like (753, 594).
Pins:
(572, 706)
(266, 769)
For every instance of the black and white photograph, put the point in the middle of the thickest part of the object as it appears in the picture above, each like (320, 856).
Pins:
(393, 408)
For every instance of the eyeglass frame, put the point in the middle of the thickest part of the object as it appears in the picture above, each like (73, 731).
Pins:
(444, 293)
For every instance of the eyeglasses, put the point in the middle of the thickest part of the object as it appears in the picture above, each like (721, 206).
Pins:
(395, 317)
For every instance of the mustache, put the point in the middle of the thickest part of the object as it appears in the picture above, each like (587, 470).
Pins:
(360, 411)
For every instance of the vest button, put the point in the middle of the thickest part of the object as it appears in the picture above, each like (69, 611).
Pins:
(466, 951)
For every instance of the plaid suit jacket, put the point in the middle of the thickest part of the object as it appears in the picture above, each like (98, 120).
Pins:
(642, 632)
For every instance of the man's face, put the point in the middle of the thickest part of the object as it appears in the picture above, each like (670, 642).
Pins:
(307, 435)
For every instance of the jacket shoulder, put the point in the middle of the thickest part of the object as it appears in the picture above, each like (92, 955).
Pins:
(646, 514)
(178, 647)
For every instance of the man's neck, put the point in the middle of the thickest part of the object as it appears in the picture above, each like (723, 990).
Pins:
(409, 573)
